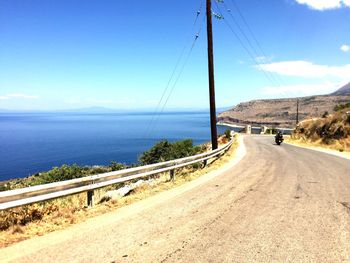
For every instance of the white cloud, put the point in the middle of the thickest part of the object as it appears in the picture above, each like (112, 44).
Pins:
(324, 4)
(300, 68)
(17, 95)
(301, 90)
(345, 48)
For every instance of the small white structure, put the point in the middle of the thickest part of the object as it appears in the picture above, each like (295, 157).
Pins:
(248, 129)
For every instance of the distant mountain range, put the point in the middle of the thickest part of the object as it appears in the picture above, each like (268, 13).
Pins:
(343, 90)
(81, 110)
(104, 110)
(282, 112)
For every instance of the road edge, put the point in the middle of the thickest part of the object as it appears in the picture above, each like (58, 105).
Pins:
(35, 244)
(327, 151)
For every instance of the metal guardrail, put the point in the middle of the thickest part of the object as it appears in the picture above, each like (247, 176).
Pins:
(35, 194)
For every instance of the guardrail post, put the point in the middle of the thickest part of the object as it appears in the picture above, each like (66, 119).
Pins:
(172, 175)
(90, 198)
(205, 163)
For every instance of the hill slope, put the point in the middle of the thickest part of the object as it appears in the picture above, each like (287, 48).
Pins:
(332, 131)
(282, 112)
(343, 90)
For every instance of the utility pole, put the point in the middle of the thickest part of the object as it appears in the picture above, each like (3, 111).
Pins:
(297, 121)
(214, 137)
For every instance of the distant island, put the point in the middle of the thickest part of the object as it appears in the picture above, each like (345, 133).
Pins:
(282, 112)
(105, 110)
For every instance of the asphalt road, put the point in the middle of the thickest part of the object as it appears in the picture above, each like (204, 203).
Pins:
(278, 204)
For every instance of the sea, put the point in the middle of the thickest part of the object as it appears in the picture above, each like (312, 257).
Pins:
(33, 142)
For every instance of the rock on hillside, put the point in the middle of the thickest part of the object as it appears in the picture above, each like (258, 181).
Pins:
(282, 112)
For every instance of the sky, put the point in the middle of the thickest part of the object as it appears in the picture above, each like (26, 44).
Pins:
(136, 54)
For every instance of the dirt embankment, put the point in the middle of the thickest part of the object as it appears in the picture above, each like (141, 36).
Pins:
(331, 131)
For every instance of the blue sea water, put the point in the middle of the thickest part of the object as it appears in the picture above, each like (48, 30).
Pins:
(36, 142)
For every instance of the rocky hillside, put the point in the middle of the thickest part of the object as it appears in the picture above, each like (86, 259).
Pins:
(344, 90)
(332, 130)
(282, 112)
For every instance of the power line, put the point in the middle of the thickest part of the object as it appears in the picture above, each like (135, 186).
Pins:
(178, 77)
(199, 11)
(253, 35)
(180, 73)
(183, 67)
(167, 86)
(157, 112)
(248, 27)
(268, 75)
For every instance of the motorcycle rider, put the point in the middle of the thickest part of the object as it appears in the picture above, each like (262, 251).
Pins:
(279, 137)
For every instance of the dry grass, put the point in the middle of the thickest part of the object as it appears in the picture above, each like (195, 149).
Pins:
(336, 147)
(38, 219)
(331, 132)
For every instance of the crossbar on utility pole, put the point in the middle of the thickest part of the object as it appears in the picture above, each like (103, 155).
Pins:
(214, 138)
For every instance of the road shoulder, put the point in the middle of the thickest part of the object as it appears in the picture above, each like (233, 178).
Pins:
(35, 244)
(344, 155)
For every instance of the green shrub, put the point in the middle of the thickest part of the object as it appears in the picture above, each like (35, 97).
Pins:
(165, 151)
(4, 187)
(158, 153)
(96, 170)
(271, 131)
(65, 172)
(196, 165)
(57, 174)
(228, 134)
(114, 166)
(162, 151)
(341, 106)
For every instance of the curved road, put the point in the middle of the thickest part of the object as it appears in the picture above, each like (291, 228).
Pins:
(280, 203)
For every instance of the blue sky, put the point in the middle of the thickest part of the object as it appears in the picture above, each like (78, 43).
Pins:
(121, 54)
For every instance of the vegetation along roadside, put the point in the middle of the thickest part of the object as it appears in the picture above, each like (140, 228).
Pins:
(38, 219)
(331, 131)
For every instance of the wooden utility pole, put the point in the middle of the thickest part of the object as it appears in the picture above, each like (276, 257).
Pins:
(214, 137)
(297, 120)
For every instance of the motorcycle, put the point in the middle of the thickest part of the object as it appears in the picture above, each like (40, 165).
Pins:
(279, 138)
